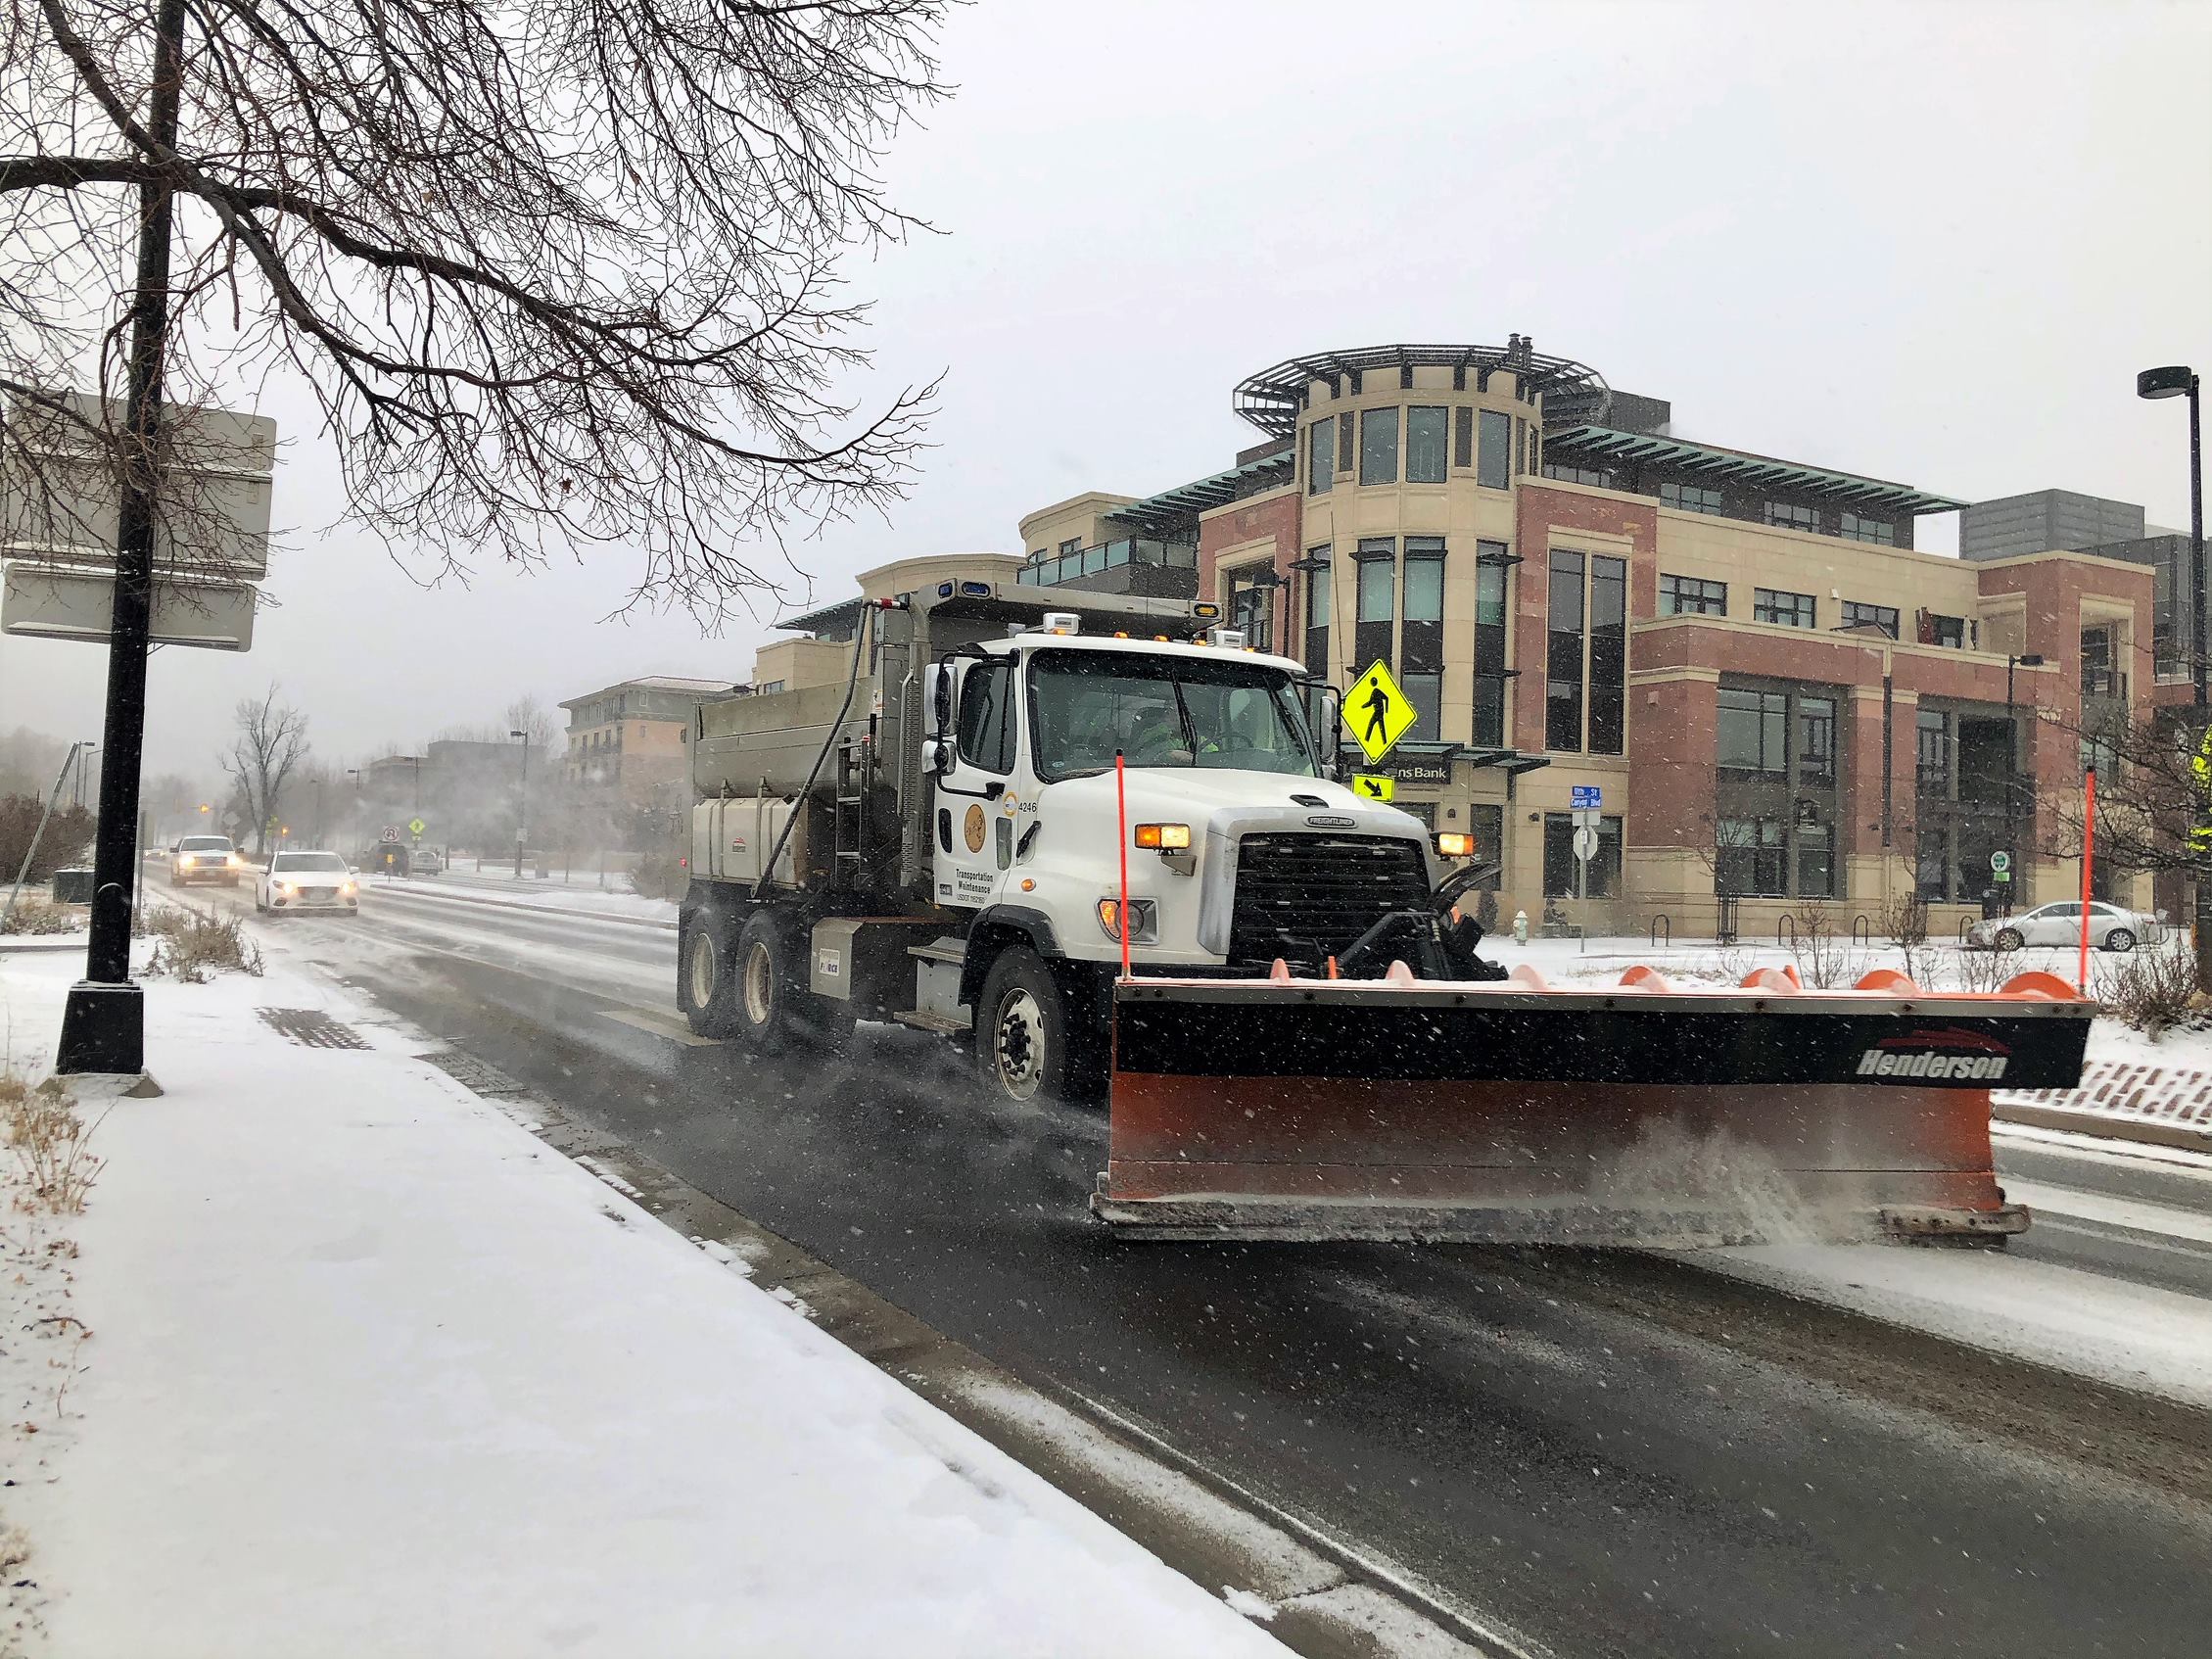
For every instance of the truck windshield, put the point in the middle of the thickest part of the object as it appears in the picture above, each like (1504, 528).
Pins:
(1164, 711)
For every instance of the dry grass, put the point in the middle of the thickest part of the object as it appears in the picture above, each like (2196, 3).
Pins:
(659, 875)
(195, 946)
(2152, 990)
(1827, 960)
(42, 915)
(48, 1137)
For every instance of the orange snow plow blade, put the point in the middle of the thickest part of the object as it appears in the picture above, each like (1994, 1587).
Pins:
(1514, 1112)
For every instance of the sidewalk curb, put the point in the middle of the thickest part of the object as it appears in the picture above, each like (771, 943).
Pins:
(381, 890)
(2104, 1126)
(1332, 1600)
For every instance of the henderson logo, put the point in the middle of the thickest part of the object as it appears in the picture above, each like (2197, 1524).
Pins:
(1919, 1056)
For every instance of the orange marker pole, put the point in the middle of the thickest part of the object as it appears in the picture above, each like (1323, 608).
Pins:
(2089, 862)
(1121, 840)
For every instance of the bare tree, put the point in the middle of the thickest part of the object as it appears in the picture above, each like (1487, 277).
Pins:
(559, 272)
(271, 742)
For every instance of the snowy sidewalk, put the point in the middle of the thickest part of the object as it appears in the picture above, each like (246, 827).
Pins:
(374, 1372)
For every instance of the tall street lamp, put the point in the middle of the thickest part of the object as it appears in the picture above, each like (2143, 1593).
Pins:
(522, 809)
(2028, 659)
(2178, 380)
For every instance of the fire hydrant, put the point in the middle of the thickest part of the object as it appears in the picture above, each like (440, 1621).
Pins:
(1520, 927)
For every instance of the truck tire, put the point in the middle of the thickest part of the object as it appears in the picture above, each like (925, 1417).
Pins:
(1026, 1044)
(763, 984)
(704, 980)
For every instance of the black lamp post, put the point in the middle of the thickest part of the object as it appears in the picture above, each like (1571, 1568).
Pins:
(522, 808)
(2028, 659)
(2178, 380)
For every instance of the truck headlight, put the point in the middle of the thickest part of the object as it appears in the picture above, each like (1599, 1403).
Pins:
(1455, 846)
(1143, 913)
(1165, 837)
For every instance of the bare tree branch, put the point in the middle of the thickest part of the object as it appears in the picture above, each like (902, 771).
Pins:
(271, 742)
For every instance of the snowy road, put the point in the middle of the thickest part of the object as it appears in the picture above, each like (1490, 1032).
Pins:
(1615, 1454)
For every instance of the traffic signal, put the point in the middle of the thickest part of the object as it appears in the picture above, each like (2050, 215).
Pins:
(203, 806)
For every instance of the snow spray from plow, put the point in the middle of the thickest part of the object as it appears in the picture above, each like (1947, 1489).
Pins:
(1511, 1112)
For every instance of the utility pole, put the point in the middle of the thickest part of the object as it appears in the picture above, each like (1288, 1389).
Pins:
(521, 810)
(2177, 380)
(104, 1021)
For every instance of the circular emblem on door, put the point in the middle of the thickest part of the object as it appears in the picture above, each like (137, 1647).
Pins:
(972, 830)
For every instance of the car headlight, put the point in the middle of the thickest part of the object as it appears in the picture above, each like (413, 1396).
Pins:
(1144, 913)
(286, 888)
(347, 889)
(186, 861)
(235, 862)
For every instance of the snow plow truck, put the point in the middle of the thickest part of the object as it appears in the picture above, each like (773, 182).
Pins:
(1101, 841)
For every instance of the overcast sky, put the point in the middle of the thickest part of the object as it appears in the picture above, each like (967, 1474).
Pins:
(1932, 242)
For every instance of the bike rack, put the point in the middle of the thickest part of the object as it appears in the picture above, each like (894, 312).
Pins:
(1861, 931)
(1786, 922)
(1662, 929)
(1964, 923)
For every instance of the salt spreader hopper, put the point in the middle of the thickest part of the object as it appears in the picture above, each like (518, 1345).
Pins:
(1514, 1112)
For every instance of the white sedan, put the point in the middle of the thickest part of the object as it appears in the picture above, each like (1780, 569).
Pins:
(296, 881)
(2110, 927)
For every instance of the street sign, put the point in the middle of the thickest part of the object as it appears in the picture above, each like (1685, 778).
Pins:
(391, 832)
(2001, 863)
(1585, 843)
(416, 826)
(1374, 788)
(1377, 713)
(1585, 797)
(46, 602)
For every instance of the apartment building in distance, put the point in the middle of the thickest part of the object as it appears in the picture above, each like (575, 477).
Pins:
(629, 745)
(1778, 696)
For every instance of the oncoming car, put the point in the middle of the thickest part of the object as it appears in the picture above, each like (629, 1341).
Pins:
(204, 858)
(2111, 927)
(296, 881)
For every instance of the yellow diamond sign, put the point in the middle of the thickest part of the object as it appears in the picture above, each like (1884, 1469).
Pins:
(1372, 788)
(1377, 713)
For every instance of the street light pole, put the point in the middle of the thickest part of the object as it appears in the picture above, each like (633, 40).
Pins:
(2178, 380)
(2030, 659)
(104, 1021)
(522, 808)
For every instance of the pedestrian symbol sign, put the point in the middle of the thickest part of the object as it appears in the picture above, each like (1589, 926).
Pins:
(1372, 788)
(416, 826)
(1377, 712)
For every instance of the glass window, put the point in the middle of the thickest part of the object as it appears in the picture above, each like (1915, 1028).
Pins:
(1252, 605)
(1489, 644)
(986, 717)
(1937, 630)
(1933, 762)
(1485, 821)
(1379, 446)
(2099, 678)
(1425, 445)
(1073, 544)
(1164, 712)
(1567, 474)
(1692, 595)
(1493, 461)
(1690, 498)
(1563, 655)
(1424, 692)
(1609, 654)
(1371, 636)
(1788, 515)
(1321, 455)
(1094, 560)
(1425, 578)
(1317, 605)
(1463, 437)
(1750, 857)
(1344, 443)
(1817, 861)
(1817, 739)
(1877, 530)
(1753, 729)
(1603, 878)
(1788, 610)
(1880, 617)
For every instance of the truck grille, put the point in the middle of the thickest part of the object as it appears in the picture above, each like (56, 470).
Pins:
(1328, 890)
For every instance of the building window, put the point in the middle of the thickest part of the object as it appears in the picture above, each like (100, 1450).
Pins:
(1377, 602)
(1379, 446)
(1604, 876)
(1938, 630)
(1609, 654)
(1880, 531)
(1425, 445)
(1344, 443)
(1817, 741)
(1567, 474)
(1463, 437)
(1321, 455)
(2099, 678)
(1563, 656)
(1881, 618)
(1786, 610)
(1786, 515)
(1692, 595)
(1073, 544)
(1750, 857)
(1485, 821)
(1251, 604)
(1817, 861)
(1317, 597)
(1493, 461)
(1421, 639)
(1753, 729)
(1690, 498)
(1489, 642)
(1932, 763)
(767, 687)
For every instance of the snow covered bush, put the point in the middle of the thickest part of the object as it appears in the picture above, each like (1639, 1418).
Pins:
(39, 916)
(194, 947)
(2152, 990)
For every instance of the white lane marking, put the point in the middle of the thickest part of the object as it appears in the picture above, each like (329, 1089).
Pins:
(2138, 1214)
(2105, 1150)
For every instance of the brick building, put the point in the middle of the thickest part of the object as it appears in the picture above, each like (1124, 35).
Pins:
(1779, 697)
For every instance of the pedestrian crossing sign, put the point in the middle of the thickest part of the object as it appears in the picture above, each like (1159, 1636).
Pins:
(1372, 788)
(1377, 712)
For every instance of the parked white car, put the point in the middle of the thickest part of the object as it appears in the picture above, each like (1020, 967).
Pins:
(296, 881)
(2110, 927)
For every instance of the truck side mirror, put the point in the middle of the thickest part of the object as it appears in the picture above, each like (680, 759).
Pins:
(937, 691)
(1331, 716)
(936, 756)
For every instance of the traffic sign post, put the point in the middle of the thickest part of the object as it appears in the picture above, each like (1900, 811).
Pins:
(2000, 866)
(1586, 797)
(1377, 713)
(391, 832)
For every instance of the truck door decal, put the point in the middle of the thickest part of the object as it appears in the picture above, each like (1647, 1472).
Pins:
(971, 829)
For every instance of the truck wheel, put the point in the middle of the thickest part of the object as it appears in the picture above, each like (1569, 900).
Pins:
(763, 993)
(1023, 1044)
(703, 976)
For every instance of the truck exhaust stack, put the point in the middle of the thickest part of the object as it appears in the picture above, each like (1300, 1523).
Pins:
(1515, 1112)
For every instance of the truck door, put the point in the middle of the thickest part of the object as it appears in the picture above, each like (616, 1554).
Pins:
(974, 824)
